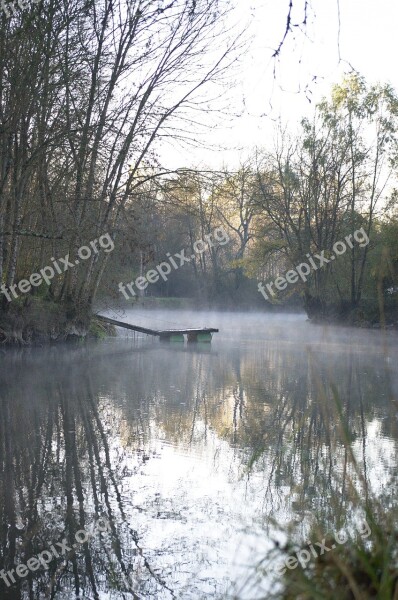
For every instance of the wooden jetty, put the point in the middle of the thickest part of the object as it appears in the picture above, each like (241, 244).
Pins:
(202, 334)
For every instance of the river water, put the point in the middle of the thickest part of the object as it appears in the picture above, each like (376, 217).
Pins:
(197, 457)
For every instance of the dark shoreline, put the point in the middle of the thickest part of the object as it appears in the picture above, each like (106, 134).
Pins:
(38, 322)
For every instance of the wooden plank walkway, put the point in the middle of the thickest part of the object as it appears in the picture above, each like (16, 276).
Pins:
(194, 334)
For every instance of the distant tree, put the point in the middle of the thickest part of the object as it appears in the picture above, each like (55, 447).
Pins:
(328, 183)
(237, 195)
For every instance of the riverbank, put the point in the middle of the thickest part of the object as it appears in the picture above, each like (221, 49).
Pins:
(367, 315)
(38, 321)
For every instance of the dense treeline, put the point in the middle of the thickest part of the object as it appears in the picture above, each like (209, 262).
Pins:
(307, 196)
(87, 90)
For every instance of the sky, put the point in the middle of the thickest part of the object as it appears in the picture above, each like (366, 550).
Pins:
(311, 61)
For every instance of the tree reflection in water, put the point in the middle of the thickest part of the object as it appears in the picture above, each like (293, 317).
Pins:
(72, 449)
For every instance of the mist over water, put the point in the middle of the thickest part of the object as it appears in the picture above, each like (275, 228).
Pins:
(196, 453)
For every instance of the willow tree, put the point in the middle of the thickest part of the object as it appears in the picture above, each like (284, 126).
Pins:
(329, 182)
(366, 119)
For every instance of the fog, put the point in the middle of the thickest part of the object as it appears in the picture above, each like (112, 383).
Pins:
(198, 454)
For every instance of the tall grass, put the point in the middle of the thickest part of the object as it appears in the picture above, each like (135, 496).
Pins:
(362, 568)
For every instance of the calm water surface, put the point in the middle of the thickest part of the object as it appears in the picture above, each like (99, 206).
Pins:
(197, 456)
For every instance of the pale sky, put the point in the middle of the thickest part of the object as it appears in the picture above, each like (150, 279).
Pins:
(366, 41)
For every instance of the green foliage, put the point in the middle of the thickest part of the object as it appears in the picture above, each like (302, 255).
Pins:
(100, 330)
